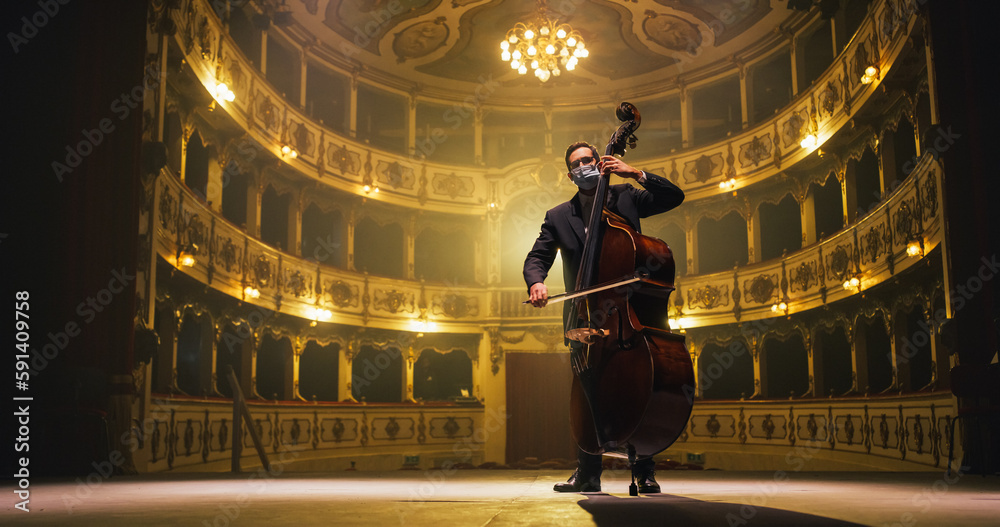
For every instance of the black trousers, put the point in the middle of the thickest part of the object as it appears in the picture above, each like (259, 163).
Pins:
(591, 464)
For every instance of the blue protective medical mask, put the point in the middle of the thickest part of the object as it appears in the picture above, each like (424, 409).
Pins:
(586, 176)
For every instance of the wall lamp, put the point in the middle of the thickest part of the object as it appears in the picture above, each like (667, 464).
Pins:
(780, 306)
(185, 257)
(289, 151)
(871, 75)
(251, 292)
(915, 248)
(223, 93)
(853, 283)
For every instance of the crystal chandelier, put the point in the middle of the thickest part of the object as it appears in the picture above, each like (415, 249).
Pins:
(544, 46)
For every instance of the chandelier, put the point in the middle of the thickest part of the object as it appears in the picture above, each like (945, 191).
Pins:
(545, 46)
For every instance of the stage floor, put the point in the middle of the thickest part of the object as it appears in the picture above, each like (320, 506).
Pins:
(510, 497)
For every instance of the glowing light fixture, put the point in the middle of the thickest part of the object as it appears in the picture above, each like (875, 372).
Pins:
(853, 283)
(728, 185)
(251, 292)
(289, 151)
(871, 75)
(544, 45)
(809, 141)
(223, 93)
(915, 248)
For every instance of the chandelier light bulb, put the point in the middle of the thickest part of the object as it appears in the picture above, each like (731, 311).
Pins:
(543, 46)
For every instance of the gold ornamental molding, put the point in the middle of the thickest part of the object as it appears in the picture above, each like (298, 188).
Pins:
(754, 155)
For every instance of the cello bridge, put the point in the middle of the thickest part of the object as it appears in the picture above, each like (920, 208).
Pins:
(587, 335)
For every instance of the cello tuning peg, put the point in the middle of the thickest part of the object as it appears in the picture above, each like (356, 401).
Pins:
(632, 140)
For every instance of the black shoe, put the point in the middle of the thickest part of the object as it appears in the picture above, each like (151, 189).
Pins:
(647, 483)
(580, 483)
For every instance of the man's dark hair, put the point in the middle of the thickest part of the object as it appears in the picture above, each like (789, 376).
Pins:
(578, 144)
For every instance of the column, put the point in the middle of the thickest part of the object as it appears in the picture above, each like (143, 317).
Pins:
(859, 359)
(349, 239)
(213, 190)
(161, 97)
(166, 358)
(687, 117)
(477, 133)
(753, 236)
(900, 363)
(888, 167)
(297, 349)
(352, 121)
(932, 91)
(206, 356)
(408, 361)
(807, 214)
(746, 94)
(849, 193)
(691, 244)
(263, 53)
(838, 31)
(303, 70)
(798, 63)
(409, 242)
(695, 351)
(254, 349)
(411, 126)
(759, 368)
(295, 223)
(344, 372)
(818, 381)
(254, 195)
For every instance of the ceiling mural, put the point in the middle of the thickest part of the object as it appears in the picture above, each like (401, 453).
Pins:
(451, 45)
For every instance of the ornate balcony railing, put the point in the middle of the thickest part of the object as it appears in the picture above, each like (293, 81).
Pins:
(749, 157)
(197, 435)
(893, 433)
(227, 259)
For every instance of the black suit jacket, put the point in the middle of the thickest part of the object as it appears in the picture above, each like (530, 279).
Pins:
(563, 228)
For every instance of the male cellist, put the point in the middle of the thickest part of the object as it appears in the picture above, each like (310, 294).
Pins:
(564, 230)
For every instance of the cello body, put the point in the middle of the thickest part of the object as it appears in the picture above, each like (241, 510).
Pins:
(634, 385)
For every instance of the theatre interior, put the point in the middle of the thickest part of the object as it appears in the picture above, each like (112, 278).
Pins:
(281, 242)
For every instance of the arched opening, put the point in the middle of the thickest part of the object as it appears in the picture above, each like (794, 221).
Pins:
(328, 97)
(787, 366)
(246, 35)
(196, 166)
(377, 375)
(323, 236)
(828, 204)
(234, 195)
(722, 243)
(382, 119)
(874, 340)
(905, 148)
(274, 358)
(274, 218)
(229, 354)
(283, 69)
(676, 239)
(725, 371)
(772, 86)
(190, 356)
(442, 376)
(717, 110)
(445, 134)
(818, 51)
(510, 137)
(780, 228)
(319, 371)
(444, 257)
(165, 326)
(835, 361)
(378, 249)
(867, 182)
(913, 350)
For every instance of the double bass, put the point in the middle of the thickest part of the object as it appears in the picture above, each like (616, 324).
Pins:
(633, 386)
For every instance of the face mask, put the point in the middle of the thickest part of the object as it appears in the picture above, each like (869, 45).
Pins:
(586, 176)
